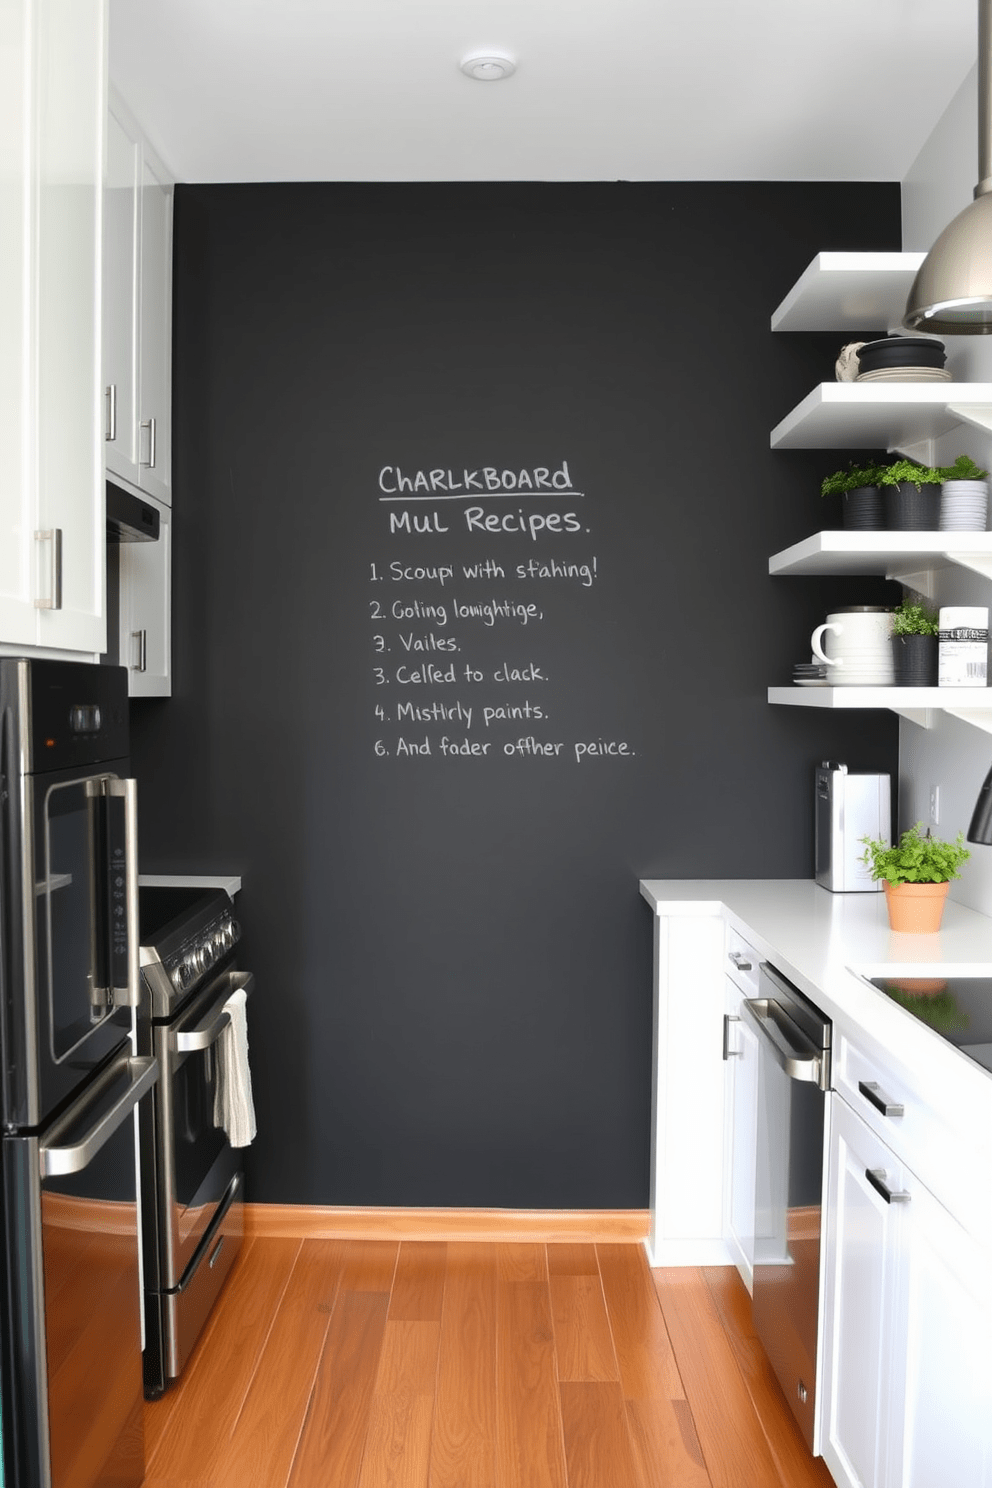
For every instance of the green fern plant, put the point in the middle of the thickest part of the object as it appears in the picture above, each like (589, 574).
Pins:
(917, 858)
(909, 471)
(914, 619)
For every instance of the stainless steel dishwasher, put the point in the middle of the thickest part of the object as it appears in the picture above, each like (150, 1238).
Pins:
(793, 1078)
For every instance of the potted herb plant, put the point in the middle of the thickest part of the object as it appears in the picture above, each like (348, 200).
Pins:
(911, 496)
(861, 499)
(915, 876)
(964, 496)
(914, 645)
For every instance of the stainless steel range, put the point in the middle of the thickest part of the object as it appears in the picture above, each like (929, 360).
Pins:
(192, 1178)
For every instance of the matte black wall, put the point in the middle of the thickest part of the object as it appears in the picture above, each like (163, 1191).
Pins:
(453, 962)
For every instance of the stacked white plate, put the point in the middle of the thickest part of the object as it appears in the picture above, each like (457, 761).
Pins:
(857, 668)
(963, 506)
(906, 374)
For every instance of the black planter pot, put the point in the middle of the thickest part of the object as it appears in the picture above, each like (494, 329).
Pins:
(915, 660)
(911, 508)
(862, 509)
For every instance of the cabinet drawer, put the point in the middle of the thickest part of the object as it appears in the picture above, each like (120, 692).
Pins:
(742, 963)
(953, 1162)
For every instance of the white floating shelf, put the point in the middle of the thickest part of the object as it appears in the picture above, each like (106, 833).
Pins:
(971, 704)
(849, 292)
(881, 415)
(891, 554)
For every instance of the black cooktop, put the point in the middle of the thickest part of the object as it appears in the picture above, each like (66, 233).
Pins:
(958, 1008)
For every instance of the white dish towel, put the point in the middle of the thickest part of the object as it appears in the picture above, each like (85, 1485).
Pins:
(234, 1109)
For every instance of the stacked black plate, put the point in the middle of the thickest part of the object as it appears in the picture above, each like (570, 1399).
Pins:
(902, 358)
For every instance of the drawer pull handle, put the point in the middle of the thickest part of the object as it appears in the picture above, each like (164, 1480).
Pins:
(872, 1092)
(740, 960)
(876, 1177)
(728, 1052)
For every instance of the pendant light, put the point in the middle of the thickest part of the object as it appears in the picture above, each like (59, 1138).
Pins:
(952, 292)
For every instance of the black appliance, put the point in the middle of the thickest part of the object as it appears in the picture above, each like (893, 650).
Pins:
(192, 1178)
(959, 1008)
(70, 1330)
(794, 1041)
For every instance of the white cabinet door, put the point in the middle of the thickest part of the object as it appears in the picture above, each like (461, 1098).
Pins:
(146, 611)
(18, 494)
(862, 1286)
(946, 1435)
(155, 339)
(120, 309)
(741, 1053)
(53, 502)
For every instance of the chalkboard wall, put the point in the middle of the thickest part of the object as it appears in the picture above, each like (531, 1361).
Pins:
(473, 629)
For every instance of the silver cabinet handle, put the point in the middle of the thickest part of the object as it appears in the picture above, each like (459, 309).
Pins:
(876, 1177)
(58, 1161)
(873, 1093)
(129, 996)
(110, 434)
(792, 1050)
(207, 1032)
(149, 424)
(141, 636)
(740, 960)
(54, 601)
(728, 1052)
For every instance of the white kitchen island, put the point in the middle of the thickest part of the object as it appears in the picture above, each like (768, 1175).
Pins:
(904, 1382)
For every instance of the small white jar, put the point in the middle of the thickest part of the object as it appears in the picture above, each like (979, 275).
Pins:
(963, 649)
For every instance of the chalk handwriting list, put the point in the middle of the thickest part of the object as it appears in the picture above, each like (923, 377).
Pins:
(473, 706)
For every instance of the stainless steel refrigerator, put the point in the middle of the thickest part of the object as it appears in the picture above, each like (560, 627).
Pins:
(70, 1331)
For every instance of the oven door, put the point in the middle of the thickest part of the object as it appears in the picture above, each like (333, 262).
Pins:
(74, 966)
(195, 1161)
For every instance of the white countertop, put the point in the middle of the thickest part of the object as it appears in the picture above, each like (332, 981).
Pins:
(815, 937)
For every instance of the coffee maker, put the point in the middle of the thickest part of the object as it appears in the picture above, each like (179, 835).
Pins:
(848, 808)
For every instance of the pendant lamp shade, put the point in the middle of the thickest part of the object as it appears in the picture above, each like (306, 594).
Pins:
(952, 293)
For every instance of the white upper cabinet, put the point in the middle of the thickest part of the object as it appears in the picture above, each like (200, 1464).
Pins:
(137, 285)
(52, 114)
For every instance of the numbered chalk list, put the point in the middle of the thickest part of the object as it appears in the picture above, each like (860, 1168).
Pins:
(474, 588)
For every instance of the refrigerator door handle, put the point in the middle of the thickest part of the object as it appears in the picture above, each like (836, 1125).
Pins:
(124, 897)
(57, 1161)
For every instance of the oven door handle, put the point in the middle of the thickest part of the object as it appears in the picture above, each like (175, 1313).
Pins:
(209, 1030)
(793, 1052)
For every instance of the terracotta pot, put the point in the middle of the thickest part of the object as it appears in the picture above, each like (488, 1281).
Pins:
(915, 908)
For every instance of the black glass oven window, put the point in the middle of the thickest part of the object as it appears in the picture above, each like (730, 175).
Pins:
(198, 1143)
(72, 933)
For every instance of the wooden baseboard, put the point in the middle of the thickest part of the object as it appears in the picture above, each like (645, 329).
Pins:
(543, 1226)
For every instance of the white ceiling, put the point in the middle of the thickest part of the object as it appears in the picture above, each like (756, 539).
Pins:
(345, 90)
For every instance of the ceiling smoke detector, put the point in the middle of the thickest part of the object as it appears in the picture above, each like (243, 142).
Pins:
(488, 67)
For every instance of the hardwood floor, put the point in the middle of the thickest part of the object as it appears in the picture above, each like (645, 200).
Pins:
(384, 1364)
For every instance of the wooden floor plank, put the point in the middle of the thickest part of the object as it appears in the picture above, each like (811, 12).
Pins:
(572, 1260)
(418, 1285)
(368, 1265)
(525, 1262)
(796, 1467)
(260, 1450)
(529, 1447)
(735, 1458)
(398, 1443)
(463, 1446)
(659, 1418)
(332, 1443)
(220, 1371)
(583, 1342)
(597, 1446)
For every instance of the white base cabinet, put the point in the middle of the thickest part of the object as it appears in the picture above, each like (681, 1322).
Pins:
(52, 522)
(740, 1052)
(908, 1304)
(688, 1133)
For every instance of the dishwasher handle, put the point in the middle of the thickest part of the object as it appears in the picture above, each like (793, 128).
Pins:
(792, 1050)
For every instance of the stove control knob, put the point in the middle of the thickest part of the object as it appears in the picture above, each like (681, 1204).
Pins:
(235, 932)
(177, 977)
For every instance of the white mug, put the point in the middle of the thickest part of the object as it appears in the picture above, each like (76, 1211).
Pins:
(860, 647)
